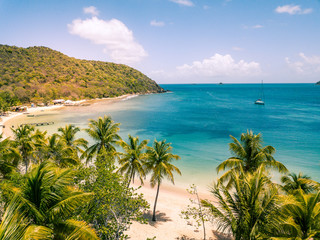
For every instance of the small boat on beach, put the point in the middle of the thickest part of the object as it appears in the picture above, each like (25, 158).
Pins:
(260, 101)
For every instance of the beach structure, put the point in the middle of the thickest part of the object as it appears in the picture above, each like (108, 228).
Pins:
(69, 103)
(19, 109)
(58, 101)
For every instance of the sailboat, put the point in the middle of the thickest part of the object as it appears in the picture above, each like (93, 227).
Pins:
(260, 101)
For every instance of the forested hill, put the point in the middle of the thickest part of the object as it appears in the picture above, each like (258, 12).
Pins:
(40, 74)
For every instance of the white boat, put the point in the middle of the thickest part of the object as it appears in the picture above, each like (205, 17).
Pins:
(260, 101)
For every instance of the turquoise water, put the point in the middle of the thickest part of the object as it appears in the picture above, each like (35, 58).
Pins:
(198, 120)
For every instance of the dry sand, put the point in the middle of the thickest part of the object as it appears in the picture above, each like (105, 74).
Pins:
(170, 225)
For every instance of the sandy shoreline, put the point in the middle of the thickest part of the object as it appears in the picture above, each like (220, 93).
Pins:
(172, 198)
(5, 122)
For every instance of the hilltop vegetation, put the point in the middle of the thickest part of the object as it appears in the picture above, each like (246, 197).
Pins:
(40, 74)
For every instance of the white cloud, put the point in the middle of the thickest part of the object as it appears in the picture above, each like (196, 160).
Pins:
(238, 49)
(183, 2)
(114, 35)
(91, 10)
(156, 23)
(257, 26)
(219, 65)
(292, 9)
(305, 65)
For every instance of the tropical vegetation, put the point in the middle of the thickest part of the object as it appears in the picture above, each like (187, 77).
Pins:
(60, 187)
(250, 206)
(40, 74)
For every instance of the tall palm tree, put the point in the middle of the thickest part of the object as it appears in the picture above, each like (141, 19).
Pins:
(292, 182)
(303, 216)
(246, 209)
(40, 139)
(159, 164)
(105, 133)
(49, 202)
(68, 134)
(249, 154)
(23, 136)
(9, 157)
(132, 161)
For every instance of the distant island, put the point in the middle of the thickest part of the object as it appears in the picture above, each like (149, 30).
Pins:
(318, 83)
(40, 74)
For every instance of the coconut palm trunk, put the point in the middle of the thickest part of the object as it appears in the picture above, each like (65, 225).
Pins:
(155, 203)
(131, 177)
(25, 159)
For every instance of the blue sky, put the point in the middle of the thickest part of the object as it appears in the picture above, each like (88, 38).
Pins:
(177, 41)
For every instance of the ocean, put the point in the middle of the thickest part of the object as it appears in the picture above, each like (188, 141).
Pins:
(198, 120)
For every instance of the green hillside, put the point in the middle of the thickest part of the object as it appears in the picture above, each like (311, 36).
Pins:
(40, 74)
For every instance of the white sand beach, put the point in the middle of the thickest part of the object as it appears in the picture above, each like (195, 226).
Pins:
(170, 225)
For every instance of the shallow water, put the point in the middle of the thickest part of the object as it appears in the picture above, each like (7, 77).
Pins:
(198, 120)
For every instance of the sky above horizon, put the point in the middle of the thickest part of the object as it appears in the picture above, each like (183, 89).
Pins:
(177, 41)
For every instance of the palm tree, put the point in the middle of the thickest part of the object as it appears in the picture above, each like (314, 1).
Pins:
(49, 202)
(246, 209)
(12, 225)
(39, 139)
(159, 164)
(303, 216)
(9, 157)
(249, 155)
(68, 135)
(59, 152)
(293, 182)
(15, 226)
(105, 133)
(24, 141)
(131, 162)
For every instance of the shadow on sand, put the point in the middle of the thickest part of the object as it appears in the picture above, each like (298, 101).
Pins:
(217, 236)
(160, 217)
(222, 236)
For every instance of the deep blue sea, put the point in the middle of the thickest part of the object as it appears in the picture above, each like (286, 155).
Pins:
(198, 120)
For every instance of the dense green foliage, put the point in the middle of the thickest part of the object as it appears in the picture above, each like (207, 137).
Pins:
(40, 74)
(114, 205)
(251, 207)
